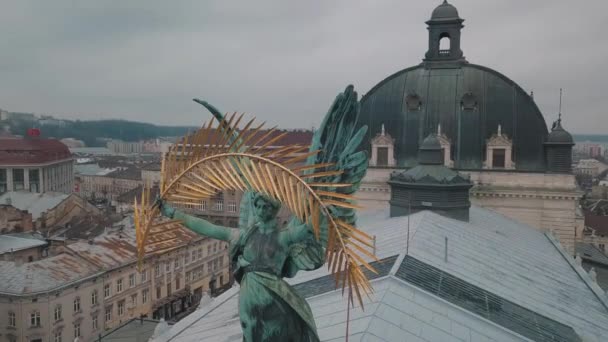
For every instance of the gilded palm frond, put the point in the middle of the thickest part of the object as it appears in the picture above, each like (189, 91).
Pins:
(224, 157)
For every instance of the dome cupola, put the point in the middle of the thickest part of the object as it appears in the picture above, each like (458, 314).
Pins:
(444, 36)
(558, 148)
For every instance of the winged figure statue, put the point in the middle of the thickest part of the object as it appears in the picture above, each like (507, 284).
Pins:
(317, 186)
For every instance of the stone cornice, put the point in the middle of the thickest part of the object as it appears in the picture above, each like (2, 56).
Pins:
(525, 194)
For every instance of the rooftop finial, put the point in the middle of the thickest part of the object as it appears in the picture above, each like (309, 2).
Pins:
(499, 130)
(439, 130)
(382, 132)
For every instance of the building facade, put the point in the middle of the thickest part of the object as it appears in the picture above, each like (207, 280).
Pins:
(93, 286)
(36, 165)
(125, 147)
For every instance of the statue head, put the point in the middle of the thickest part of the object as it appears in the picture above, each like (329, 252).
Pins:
(265, 208)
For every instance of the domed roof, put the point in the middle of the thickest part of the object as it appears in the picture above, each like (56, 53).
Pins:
(468, 101)
(444, 11)
(559, 135)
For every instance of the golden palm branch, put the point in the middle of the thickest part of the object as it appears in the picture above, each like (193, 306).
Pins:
(215, 159)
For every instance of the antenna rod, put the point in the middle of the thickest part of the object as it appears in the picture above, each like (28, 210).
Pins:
(560, 105)
(409, 213)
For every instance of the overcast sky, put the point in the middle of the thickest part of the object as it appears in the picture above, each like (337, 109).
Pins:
(282, 61)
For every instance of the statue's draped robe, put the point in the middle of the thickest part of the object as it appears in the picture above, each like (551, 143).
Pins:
(270, 308)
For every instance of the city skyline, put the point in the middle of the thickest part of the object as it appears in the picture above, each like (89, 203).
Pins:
(280, 62)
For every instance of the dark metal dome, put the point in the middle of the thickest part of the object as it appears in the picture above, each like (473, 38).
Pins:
(430, 151)
(469, 102)
(559, 135)
(444, 11)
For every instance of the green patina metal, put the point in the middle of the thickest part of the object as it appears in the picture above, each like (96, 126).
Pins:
(263, 254)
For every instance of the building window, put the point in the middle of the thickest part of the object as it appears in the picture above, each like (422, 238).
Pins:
(168, 289)
(187, 258)
(108, 313)
(200, 253)
(498, 158)
(35, 319)
(188, 277)
(158, 292)
(3, 182)
(94, 297)
(132, 280)
(119, 285)
(134, 299)
(57, 313)
(107, 291)
(12, 319)
(382, 156)
(34, 178)
(208, 250)
(77, 304)
(76, 330)
(218, 205)
(57, 337)
(221, 280)
(176, 265)
(177, 283)
(157, 270)
(121, 308)
(215, 247)
(231, 207)
(144, 276)
(94, 323)
(168, 266)
(144, 296)
(18, 179)
(204, 205)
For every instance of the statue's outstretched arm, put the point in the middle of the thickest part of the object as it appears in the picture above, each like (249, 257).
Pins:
(195, 224)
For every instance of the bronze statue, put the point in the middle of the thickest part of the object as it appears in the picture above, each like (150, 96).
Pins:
(321, 229)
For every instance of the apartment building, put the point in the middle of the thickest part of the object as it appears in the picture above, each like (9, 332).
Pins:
(95, 285)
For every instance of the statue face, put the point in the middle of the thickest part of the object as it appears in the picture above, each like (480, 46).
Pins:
(265, 208)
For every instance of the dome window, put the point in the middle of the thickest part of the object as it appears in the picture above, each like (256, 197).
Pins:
(444, 44)
(383, 150)
(413, 102)
(468, 102)
(499, 152)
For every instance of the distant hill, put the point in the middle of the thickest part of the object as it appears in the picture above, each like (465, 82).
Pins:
(93, 133)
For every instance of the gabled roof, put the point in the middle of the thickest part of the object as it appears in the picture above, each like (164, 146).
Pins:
(34, 203)
(84, 259)
(17, 242)
(502, 280)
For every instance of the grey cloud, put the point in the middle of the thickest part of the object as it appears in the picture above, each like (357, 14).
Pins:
(281, 61)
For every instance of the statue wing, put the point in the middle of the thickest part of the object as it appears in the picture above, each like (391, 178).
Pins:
(338, 141)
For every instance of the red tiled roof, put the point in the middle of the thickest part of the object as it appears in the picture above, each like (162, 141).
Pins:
(18, 151)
